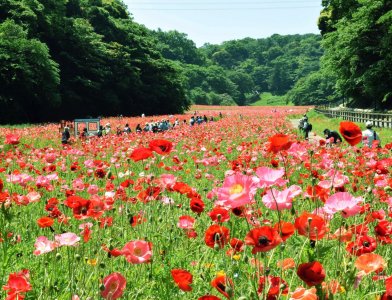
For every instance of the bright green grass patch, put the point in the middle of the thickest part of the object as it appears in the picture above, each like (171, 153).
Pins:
(267, 99)
(321, 122)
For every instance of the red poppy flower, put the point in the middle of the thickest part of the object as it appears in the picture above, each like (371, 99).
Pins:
(161, 146)
(182, 188)
(263, 239)
(224, 285)
(237, 245)
(351, 132)
(277, 286)
(12, 139)
(99, 173)
(219, 214)
(115, 285)
(362, 244)
(312, 273)
(311, 226)
(279, 142)
(141, 154)
(285, 229)
(197, 205)
(183, 279)
(18, 283)
(216, 236)
(1, 185)
(45, 222)
(388, 286)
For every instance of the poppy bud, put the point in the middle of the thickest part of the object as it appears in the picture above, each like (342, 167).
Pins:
(58, 256)
(102, 287)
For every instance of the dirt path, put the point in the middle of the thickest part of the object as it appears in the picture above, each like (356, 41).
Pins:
(313, 138)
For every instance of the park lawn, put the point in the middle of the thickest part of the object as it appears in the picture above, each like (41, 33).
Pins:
(321, 122)
(267, 99)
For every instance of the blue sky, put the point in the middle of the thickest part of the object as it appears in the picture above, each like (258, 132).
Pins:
(216, 21)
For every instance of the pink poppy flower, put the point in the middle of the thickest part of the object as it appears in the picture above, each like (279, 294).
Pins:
(78, 184)
(237, 190)
(137, 252)
(333, 179)
(278, 200)
(92, 189)
(269, 177)
(186, 222)
(33, 197)
(43, 245)
(67, 239)
(115, 285)
(343, 202)
(167, 180)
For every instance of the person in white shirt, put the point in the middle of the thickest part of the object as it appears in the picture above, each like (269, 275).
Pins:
(369, 135)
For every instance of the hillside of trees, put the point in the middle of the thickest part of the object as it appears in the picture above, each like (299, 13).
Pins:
(77, 58)
(357, 65)
(236, 72)
(61, 59)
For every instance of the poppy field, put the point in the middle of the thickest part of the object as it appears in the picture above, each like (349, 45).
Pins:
(236, 208)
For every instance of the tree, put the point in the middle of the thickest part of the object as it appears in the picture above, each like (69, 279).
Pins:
(29, 77)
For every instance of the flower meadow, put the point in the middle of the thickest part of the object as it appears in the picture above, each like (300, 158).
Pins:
(238, 208)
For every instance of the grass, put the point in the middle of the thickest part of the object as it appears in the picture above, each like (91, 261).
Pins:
(321, 122)
(267, 99)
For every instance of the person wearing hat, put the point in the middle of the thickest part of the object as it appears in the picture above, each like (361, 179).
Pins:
(369, 135)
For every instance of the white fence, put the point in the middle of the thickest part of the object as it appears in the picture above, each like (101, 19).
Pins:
(378, 119)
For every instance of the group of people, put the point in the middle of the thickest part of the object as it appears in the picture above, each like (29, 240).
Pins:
(369, 136)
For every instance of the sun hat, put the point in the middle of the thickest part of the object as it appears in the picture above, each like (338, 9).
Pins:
(369, 124)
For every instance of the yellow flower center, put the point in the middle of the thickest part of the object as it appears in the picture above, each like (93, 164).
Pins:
(236, 189)
(137, 251)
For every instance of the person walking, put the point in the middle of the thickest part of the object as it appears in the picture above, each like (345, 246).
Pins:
(369, 136)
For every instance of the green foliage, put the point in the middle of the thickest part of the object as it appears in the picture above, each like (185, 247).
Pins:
(241, 68)
(357, 42)
(89, 58)
(316, 88)
(267, 99)
(29, 77)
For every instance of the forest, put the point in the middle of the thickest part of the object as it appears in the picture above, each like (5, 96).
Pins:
(61, 59)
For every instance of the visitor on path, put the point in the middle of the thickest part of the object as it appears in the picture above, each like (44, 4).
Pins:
(307, 127)
(65, 136)
(369, 136)
(332, 136)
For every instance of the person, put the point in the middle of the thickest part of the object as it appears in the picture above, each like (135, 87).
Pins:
(369, 135)
(65, 136)
(332, 136)
(100, 131)
(138, 128)
(306, 127)
(127, 129)
(118, 131)
(107, 128)
(83, 134)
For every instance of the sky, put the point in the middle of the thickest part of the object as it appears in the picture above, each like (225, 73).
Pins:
(215, 21)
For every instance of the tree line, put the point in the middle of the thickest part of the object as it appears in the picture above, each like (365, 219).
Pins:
(78, 58)
(61, 59)
(356, 67)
